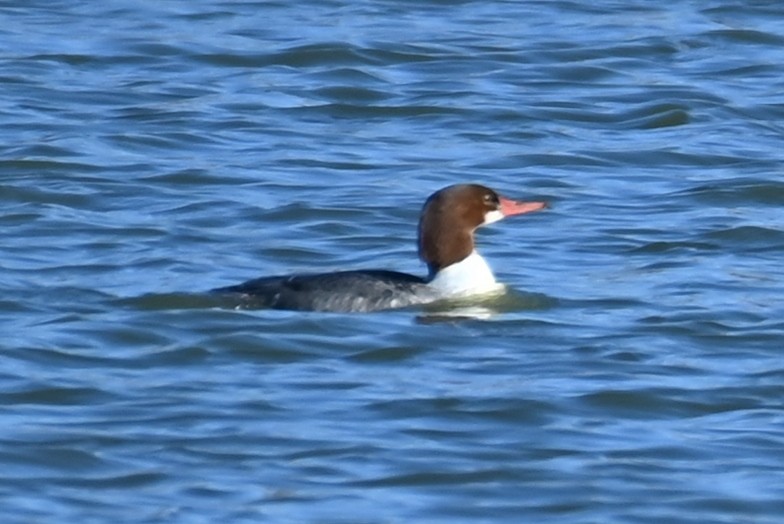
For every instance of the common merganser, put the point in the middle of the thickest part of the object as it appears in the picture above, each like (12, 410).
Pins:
(446, 244)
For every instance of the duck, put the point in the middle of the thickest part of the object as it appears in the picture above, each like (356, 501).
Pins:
(446, 244)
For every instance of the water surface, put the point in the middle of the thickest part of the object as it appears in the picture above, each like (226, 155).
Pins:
(152, 152)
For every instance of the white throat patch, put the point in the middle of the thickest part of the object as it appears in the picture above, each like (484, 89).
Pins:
(493, 216)
(470, 276)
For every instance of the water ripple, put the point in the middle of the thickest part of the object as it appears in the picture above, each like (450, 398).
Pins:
(152, 152)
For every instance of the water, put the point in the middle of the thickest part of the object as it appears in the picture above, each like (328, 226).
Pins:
(152, 151)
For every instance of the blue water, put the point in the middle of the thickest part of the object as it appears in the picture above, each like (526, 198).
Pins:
(152, 151)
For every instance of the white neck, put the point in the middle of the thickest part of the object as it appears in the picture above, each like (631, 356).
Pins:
(470, 276)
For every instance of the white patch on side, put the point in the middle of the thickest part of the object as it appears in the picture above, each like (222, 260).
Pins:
(470, 276)
(493, 216)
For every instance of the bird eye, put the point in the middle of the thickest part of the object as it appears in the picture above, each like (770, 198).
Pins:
(490, 198)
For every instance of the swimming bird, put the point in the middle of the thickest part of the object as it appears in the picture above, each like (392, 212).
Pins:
(447, 224)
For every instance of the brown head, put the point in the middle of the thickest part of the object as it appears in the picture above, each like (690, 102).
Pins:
(451, 215)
